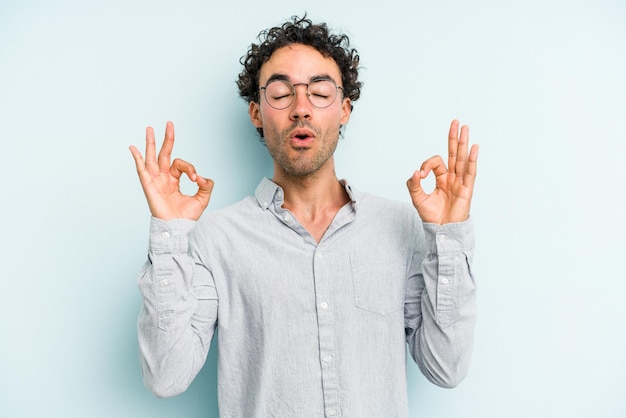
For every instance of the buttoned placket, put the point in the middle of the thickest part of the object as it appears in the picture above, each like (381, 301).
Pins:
(165, 289)
(325, 318)
(326, 331)
(322, 273)
(446, 275)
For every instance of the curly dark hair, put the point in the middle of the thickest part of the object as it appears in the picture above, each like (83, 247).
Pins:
(300, 31)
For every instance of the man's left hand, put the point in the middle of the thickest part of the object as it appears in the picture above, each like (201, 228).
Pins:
(451, 199)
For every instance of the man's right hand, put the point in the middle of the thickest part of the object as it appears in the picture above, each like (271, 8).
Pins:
(161, 181)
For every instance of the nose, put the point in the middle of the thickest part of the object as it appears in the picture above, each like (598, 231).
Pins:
(301, 106)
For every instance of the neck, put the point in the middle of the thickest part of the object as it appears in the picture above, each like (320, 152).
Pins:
(314, 199)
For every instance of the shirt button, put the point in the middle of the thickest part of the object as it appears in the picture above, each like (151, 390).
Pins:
(444, 280)
(324, 305)
(332, 412)
(165, 235)
(287, 218)
(328, 358)
(165, 282)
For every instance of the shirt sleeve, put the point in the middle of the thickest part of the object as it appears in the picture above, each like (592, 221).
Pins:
(179, 312)
(440, 304)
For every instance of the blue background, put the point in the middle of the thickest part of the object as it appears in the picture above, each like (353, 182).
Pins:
(541, 83)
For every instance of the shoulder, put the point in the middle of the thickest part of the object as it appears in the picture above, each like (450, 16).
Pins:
(223, 221)
(392, 224)
(374, 205)
(235, 212)
(388, 216)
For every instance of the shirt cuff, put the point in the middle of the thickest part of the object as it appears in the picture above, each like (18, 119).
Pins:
(452, 238)
(169, 237)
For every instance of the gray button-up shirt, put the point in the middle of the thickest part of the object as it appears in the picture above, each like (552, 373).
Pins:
(307, 329)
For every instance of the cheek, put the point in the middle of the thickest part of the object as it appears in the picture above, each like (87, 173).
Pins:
(270, 123)
(337, 119)
(268, 116)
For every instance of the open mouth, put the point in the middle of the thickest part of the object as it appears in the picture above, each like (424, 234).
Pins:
(302, 135)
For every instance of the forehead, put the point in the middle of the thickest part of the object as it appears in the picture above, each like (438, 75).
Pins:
(299, 63)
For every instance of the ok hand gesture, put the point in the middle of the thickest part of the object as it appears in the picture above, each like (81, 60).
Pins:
(451, 199)
(161, 181)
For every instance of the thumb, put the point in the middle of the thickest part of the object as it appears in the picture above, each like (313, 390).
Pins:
(414, 184)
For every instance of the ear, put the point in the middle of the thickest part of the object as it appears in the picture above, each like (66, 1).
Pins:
(254, 110)
(346, 110)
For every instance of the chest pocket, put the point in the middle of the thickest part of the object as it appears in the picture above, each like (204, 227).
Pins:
(379, 287)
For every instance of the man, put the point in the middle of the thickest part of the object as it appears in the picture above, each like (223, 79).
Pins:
(315, 288)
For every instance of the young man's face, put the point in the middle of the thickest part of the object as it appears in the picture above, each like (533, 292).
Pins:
(301, 138)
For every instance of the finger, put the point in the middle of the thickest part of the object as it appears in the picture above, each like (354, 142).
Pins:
(166, 149)
(453, 145)
(139, 162)
(434, 164)
(470, 174)
(144, 175)
(181, 166)
(461, 160)
(205, 188)
(151, 163)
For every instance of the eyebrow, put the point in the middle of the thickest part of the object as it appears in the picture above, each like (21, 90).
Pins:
(284, 77)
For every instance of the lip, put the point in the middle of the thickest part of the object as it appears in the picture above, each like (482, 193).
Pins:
(302, 137)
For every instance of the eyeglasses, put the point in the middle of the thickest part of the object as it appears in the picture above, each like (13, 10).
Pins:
(280, 94)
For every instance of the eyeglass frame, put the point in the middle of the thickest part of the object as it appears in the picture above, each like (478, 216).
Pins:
(308, 95)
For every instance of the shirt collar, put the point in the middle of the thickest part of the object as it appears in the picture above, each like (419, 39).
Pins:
(267, 191)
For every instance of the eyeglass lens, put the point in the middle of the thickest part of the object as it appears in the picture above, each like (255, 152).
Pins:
(280, 94)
